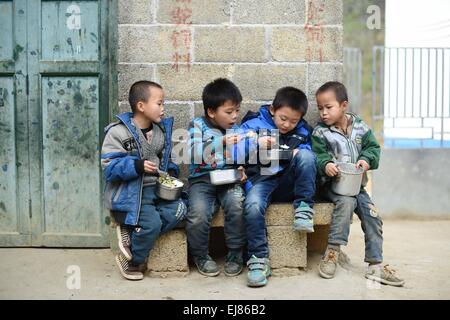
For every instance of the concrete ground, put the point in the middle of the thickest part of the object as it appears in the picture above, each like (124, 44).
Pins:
(419, 250)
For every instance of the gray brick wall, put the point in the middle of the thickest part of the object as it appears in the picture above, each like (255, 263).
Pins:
(261, 45)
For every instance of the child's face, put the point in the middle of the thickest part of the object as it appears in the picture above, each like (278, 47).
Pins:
(153, 109)
(285, 118)
(225, 116)
(331, 111)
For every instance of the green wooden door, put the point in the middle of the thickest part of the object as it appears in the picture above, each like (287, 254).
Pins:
(66, 109)
(15, 227)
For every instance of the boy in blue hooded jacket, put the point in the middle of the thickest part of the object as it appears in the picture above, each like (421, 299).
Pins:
(279, 124)
(134, 149)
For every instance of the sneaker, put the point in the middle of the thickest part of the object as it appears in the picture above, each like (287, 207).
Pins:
(143, 267)
(303, 219)
(123, 236)
(384, 275)
(128, 270)
(328, 264)
(233, 263)
(258, 271)
(344, 260)
(206, 266)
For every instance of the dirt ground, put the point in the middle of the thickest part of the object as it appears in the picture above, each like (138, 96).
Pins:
(418, 250)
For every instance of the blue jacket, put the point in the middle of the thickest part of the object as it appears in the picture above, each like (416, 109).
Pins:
(299, 138)
(121, 147)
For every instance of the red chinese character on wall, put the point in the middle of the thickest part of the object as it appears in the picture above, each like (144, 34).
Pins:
(314, 32)
(182, 39)
(181, 15)
(181, 58)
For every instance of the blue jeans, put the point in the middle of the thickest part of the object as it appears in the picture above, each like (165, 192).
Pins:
(156, 217)
(371, 223)
(204, 201)
(297, 183)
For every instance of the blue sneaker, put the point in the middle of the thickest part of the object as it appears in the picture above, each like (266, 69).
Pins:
(303, 218)
(258, 271)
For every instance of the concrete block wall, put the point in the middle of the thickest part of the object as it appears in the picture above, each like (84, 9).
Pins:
(261, 45)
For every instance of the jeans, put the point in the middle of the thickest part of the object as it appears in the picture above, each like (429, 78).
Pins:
(204, 202)
(296, 183)
(371, 223)
(156, 217)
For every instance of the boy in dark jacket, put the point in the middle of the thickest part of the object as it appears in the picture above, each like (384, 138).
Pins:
(286, 181)
(344, 137)
(134, 149)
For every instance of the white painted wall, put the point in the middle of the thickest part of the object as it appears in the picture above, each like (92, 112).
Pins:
(418, 23)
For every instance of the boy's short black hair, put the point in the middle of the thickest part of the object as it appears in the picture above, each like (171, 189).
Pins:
(291, 97)
(219, 91)
(139, 92)
(338, 88)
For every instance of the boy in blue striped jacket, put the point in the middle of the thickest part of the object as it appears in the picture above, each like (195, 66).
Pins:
(209, 136)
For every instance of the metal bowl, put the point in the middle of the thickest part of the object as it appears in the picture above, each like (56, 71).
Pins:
(227, 176)
(169, 193)
(275, 154)
(348, 182)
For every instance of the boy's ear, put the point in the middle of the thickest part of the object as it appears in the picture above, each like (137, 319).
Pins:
(210, 113)
(272, 110)
(345, 105)
(140, 106)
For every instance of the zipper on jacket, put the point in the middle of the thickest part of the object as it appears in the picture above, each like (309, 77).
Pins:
(349, 146)
(139, 202)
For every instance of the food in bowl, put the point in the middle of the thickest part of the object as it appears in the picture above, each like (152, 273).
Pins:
(170, 182)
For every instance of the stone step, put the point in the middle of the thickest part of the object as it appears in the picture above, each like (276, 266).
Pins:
(282, 214)
(288, 248)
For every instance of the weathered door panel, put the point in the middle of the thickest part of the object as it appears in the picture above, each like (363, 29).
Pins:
(53, 105)
(68, 87)
(71, 177)
(70, 30)
(14, 167)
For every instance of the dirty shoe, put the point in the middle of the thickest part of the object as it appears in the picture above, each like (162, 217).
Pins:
(258, 271)
(328, 264)
(123, 236)
(303, 219)
(344, 260)
(206, 266)
(384, 275)
(233, 263)
(127, 270)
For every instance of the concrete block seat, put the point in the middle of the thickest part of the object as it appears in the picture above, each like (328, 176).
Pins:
(288, 248)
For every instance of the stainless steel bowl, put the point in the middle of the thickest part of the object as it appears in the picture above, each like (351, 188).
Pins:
(348, 182)
(275, 154)
(169, 193)
(227, 176)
